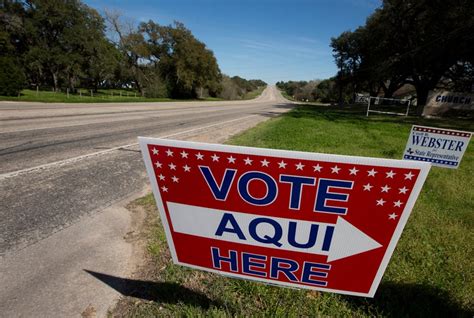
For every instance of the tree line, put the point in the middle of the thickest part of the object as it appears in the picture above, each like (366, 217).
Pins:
(325, 91)
(66, 44)
(426, 43)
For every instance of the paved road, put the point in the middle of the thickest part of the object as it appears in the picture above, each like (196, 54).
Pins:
(65, 170)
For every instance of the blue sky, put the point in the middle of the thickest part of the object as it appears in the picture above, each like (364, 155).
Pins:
(268, 39)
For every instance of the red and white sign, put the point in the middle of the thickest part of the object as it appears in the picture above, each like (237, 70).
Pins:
(309, 220)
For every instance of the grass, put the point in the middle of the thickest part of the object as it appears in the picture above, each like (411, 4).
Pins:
(101, 96)
(285, 94)
(255, 93)
(82, 96)
(430, 273)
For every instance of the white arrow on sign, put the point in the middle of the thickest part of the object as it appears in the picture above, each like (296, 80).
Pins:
(346, 240)
(349, 240)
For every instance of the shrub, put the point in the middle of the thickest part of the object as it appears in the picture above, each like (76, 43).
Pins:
(12, 78)
(156, 88)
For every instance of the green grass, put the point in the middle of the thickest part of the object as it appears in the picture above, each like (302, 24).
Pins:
(255, 93)
(101, 96)
(285, 94)
(430, 273)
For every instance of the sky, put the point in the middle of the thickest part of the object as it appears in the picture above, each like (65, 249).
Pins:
(272, 40)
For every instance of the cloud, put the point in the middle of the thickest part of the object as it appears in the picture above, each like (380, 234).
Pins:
(308, 40)
(258, 45)
(309, 48)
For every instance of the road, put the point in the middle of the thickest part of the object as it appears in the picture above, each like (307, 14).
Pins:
(66, 173)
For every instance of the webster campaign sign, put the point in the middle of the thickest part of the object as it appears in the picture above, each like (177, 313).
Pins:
(298, 219)
(441, 147)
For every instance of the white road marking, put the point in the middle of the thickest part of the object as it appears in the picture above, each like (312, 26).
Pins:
(69, 160)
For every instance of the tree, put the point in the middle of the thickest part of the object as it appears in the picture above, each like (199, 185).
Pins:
(407, 41)
(62, 43)
(327, 91)
(433, 36)
(367, 58)
(237, 87)
(102, 68)
(62, 35)
(12, 78)
(460, 77)
(230, 89)
(185, 63)
(131, 43)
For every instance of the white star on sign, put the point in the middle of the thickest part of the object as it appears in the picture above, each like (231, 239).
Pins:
(175, 179)
(265, 163)
(392, 216)
(155, 151)
(368, 186)
(169, 153)
(158, 164)
(317, 168)
(199, 156)
(231, 159)
(162, 177)
(390, 174)
(187, 168)
(165, 189)
(282, 164)
(403, 190)
(353, 171)
(335, 169)
(184, 154)
(299, 166)
(397, 203)
(381, 202)
(172, 166)
(215, 157)
(248, 161)
(371, 173)
(409, 175)
(385, 188)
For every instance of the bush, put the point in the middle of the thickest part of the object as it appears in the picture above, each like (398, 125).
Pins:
(12, 78)
(156, 88)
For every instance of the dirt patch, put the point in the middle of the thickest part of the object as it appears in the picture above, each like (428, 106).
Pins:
(144, 219)
(156, 281)
(89, 312)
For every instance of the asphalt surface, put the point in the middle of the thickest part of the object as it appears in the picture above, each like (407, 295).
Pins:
(62, 168)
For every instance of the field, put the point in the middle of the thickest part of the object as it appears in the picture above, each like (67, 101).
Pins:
(431, 271)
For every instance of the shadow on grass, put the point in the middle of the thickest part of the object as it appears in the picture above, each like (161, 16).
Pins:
(356, 113)
(159, 292)
(410, 300)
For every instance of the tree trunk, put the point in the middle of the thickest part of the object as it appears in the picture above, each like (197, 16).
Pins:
(71, 83)
(139, 88)
(373, 89)
(389, 90)
(421, 97)
(423, 86)
(55, 81)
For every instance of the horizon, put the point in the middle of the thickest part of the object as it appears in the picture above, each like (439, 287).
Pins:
(274, 42)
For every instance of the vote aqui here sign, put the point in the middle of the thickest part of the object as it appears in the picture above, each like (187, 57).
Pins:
(442, 147)
(308, 220)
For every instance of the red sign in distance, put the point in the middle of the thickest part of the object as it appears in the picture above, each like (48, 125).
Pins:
(317, 221)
